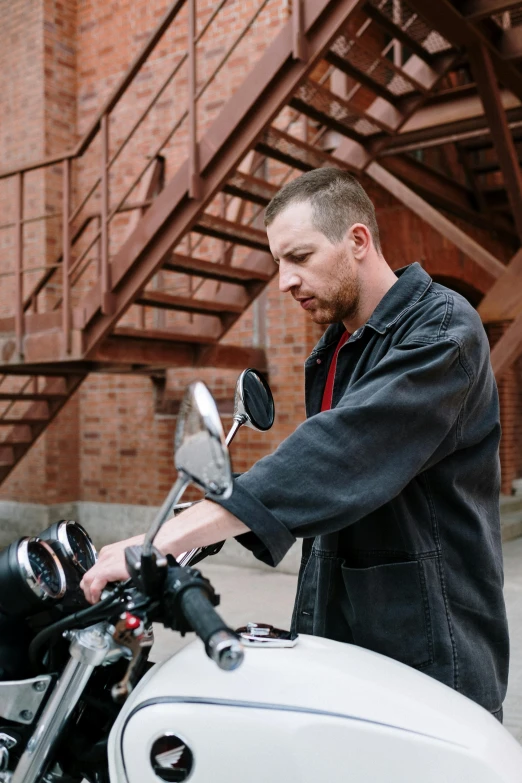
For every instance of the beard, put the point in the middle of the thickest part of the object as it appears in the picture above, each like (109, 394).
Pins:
(341, 300)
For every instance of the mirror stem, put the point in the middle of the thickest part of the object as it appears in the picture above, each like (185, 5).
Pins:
(165, 511)
(238, 422)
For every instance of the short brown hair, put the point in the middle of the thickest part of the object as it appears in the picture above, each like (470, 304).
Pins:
(338, 201)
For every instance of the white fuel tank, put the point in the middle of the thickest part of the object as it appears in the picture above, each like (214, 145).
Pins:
(320, 711)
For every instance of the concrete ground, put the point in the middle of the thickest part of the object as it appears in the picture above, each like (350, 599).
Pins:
(513, 593)
(267, 596)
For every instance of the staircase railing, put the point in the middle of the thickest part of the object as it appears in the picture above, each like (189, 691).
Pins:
(75, 262)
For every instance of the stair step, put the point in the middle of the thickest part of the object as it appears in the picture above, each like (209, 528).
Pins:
(169, 335)
(333, 58)
(317, 102)
(281, 146)
(186, 304)
(31, 396)
(7, 456)
(15, 422)
(212, 271)
(378, 74)
(228, 231)
(487, 167)
(250, 188)
(19, 434)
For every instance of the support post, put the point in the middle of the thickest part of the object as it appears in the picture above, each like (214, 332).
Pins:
(66, 262)
(486, 79)
(508, 349)
(105, 281)
(194, 177)
(19, 277)
(299, 40)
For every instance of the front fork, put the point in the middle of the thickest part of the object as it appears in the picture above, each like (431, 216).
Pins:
(88, 649)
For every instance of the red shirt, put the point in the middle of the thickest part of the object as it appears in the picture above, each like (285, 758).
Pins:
(328, 389)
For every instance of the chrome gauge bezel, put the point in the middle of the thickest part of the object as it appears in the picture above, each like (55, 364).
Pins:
(40, 590)
(63, 538)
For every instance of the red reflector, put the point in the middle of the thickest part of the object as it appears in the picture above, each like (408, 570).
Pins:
(131, 622)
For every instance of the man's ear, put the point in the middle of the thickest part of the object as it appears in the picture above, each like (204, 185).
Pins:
(360, 240)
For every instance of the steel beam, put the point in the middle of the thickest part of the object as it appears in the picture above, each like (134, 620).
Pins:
(473, 10)
(436, 220)
(447, 194)
(508, 349)
(485, 77)
(449, 133)
(450, 194)
(503, 301)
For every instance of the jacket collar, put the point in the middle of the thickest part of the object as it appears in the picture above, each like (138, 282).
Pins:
(412, 284)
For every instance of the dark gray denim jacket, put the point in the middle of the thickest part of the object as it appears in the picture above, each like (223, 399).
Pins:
(396, 492)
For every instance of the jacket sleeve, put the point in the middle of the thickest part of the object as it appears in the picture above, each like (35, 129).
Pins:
(340, 465)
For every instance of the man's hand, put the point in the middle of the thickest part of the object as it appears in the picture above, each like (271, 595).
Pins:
(110, 567)
(203, 524)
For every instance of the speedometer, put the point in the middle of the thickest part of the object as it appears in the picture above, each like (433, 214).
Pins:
(43, 569)
(30, 575)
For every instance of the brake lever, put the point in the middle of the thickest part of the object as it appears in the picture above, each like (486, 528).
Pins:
(131, 633)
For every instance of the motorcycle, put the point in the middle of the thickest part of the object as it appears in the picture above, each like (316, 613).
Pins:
(274, 707)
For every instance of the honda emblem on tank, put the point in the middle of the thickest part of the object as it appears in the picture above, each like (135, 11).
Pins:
(171, 758)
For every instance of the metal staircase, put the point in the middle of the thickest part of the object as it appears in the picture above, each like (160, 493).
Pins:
(336, 86)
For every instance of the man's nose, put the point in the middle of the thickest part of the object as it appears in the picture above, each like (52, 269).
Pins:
(288, 278)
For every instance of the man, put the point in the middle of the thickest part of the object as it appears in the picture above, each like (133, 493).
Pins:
(393, 479)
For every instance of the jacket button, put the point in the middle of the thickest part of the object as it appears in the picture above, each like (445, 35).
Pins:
(319, 361)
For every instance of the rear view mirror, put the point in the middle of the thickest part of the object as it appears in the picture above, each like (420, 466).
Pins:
(253, 403)
(201, 454)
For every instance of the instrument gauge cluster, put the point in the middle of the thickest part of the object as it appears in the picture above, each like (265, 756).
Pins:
(43, 571)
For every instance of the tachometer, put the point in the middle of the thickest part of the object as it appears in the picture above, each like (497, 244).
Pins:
(72, 544)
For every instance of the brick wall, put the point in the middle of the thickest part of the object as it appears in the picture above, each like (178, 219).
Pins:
(108, 444)
(510, 396)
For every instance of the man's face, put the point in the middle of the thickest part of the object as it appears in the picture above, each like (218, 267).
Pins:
(321, 276)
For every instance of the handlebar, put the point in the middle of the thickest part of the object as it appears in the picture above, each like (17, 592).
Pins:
(221, 644)
(189, 601)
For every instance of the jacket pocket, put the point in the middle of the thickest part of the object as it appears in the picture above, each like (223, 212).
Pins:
(388, 611)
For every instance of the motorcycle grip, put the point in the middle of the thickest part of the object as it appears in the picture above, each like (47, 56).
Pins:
(221, 644)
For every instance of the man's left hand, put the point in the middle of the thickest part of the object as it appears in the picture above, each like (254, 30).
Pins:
(110, 567)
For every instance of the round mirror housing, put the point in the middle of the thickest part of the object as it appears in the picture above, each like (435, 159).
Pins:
(201, 454)
(254, 403)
